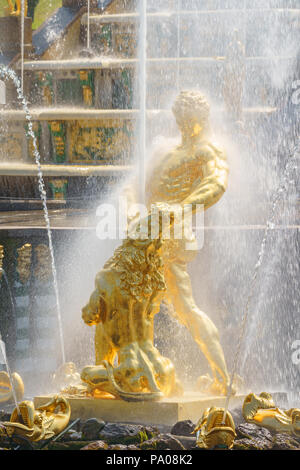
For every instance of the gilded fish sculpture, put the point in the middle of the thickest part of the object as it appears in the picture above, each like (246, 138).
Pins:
(262, 411)
(40, 423)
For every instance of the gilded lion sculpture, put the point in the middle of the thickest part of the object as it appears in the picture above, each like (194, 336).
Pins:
(128, 292)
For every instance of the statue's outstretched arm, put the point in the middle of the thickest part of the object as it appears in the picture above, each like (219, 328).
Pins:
(210, 188)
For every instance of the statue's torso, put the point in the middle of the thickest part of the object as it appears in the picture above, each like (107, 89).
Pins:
(172, 179)
(174, 176)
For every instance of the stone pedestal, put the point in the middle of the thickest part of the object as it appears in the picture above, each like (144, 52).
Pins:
(166, 412)
(10, 35)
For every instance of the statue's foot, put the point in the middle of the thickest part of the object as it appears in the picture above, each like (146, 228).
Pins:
(219, 388)
(210, 386)
(80, 390)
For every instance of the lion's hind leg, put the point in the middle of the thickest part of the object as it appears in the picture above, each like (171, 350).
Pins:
(104, 349)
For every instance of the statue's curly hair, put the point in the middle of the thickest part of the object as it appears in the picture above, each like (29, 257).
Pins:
(190, 105)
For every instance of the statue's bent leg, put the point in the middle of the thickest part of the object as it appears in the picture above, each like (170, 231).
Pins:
(19, 7)
(10, 6)
(202, 328)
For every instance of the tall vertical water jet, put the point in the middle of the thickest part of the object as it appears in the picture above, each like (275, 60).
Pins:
(240, 356)
(142, 84)
(88, 25)
(178, 46)
(4, 359)
(8, 74)
(22, 43)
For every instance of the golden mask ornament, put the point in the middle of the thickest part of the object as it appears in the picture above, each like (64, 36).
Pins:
(212, 433)
(262, 411)
(6, 394)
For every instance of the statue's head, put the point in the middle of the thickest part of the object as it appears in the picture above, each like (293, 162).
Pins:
(191, 111)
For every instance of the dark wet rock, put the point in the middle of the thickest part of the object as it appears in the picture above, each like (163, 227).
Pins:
(122, 447)
(77, 426)
(4, 415)
(237, 416)
(116, 433)
(132, 447)
(252, 444)
(96, 445)
(72, 435)
(251, 431)
(252, 437)
(183, 428)
(118, 447)
(71, 445)
(188, 442)
(91, 429)
(285, 442)
(162, 442)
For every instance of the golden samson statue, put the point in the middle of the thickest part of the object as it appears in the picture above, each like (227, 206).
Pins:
(195, 172)
(141, 273)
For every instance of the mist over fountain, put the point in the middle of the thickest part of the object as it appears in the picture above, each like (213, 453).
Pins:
(97, 123)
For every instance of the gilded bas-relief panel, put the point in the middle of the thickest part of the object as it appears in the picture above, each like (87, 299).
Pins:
(100, 141)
